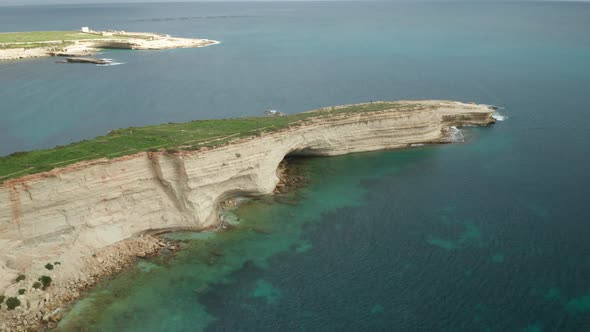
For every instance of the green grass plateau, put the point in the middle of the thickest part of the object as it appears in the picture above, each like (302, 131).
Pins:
(182, 136)
(44, 36)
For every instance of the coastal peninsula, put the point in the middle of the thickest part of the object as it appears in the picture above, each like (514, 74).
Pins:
(86, 42)
(94, 206)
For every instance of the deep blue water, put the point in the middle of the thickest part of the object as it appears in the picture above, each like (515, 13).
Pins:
(490, 235)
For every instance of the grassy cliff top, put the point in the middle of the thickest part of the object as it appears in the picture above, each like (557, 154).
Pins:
(185, 136)
(45, 36)
(37, 39)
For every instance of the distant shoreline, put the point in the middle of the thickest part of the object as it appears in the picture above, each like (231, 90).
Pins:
(37, 44)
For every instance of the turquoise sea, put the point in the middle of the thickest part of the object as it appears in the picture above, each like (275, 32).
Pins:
(489, 235)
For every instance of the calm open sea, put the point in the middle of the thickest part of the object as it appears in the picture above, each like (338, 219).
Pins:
(491, 235)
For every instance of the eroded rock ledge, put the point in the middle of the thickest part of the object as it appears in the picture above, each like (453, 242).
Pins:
(78, 213)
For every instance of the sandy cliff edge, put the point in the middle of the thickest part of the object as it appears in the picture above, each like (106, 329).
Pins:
(93, 216)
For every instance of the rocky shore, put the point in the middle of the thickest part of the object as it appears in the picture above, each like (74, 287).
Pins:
(290, 176)
(43, 309)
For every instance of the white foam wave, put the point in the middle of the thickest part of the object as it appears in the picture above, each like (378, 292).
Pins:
(499, 117)
(455, 135)
(112, 64)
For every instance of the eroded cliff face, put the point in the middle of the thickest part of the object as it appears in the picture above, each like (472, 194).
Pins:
(67, 215)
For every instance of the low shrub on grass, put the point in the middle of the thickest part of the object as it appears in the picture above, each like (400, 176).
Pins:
(12, 302)
(45, 281)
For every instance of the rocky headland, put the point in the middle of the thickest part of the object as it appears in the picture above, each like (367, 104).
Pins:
(95, 217)
(92, 42)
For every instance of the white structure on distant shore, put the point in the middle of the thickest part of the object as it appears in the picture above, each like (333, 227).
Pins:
(274, 112)
(107, 33)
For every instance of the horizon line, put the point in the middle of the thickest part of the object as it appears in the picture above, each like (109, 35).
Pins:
(114, 2)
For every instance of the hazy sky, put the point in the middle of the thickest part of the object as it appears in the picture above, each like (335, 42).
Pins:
(49, 2)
